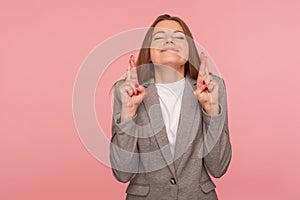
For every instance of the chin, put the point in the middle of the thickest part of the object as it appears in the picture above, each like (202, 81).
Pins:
(168, 58)
(171, 62)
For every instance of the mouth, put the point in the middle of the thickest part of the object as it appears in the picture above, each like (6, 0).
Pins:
(169, 49)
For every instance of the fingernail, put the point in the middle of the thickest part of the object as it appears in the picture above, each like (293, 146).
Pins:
(136, 85)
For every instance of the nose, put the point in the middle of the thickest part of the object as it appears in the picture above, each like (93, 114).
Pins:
(169, 39)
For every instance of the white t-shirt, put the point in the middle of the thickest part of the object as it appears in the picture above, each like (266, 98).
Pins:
(170, 97)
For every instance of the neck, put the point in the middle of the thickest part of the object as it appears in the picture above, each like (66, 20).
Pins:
(165, 74)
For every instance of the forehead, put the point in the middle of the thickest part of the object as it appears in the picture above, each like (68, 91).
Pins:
(168, 24)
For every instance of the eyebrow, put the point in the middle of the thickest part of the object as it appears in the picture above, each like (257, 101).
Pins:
(165, 32)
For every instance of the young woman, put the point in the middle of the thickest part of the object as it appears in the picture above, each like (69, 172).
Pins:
(170, 126)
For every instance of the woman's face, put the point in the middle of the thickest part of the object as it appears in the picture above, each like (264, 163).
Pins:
(169, 44)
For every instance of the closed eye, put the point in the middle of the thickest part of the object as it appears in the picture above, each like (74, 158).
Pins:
(179, 37)
(158, 38)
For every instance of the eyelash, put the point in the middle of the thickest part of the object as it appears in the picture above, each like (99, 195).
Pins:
(179, 37)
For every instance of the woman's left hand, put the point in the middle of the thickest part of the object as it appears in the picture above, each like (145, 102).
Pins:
(207, 89)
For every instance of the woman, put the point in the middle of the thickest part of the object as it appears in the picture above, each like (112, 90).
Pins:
(170, 126)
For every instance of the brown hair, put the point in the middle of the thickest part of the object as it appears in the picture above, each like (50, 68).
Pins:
(191, 66)
(193, 63)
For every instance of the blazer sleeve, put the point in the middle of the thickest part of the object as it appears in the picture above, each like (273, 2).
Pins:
(217, 146)
(124, 155)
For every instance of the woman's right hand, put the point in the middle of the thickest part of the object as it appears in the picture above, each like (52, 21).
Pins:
(132, 94)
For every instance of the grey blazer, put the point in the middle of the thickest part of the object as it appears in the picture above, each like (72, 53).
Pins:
(140, 152)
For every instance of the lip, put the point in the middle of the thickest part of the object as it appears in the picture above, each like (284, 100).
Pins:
(169, 49)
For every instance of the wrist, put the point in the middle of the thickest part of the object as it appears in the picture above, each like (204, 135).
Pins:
(212, 109)
(127, 114)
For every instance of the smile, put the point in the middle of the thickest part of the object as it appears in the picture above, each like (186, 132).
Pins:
(169, 49)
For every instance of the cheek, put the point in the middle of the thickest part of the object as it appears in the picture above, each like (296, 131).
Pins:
(155, 44)
(186, 55)
(185, 51)
(154, 54)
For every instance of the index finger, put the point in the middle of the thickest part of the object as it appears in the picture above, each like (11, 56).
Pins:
(203, 66)
(132, 69)
(128, 72)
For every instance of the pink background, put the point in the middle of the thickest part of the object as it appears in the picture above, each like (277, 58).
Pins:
(255, 45)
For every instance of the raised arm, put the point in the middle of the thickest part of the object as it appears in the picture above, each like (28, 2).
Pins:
(211, 93)
(124, 154)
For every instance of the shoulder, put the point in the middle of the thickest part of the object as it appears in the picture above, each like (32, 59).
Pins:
(115, 88)
(119, 82)
(216, 77)
(221, 83)
(219, 79)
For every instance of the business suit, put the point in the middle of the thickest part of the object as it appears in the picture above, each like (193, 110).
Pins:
(202, 146)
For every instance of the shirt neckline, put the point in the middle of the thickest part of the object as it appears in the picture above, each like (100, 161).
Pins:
(173, 83)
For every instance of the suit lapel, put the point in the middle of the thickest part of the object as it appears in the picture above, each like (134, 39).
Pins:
(152, 105)
(188, 122)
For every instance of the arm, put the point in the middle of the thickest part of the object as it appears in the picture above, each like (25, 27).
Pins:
(217, 147)
(124, 155)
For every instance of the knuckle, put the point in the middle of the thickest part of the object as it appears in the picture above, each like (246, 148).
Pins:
(201, 73)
